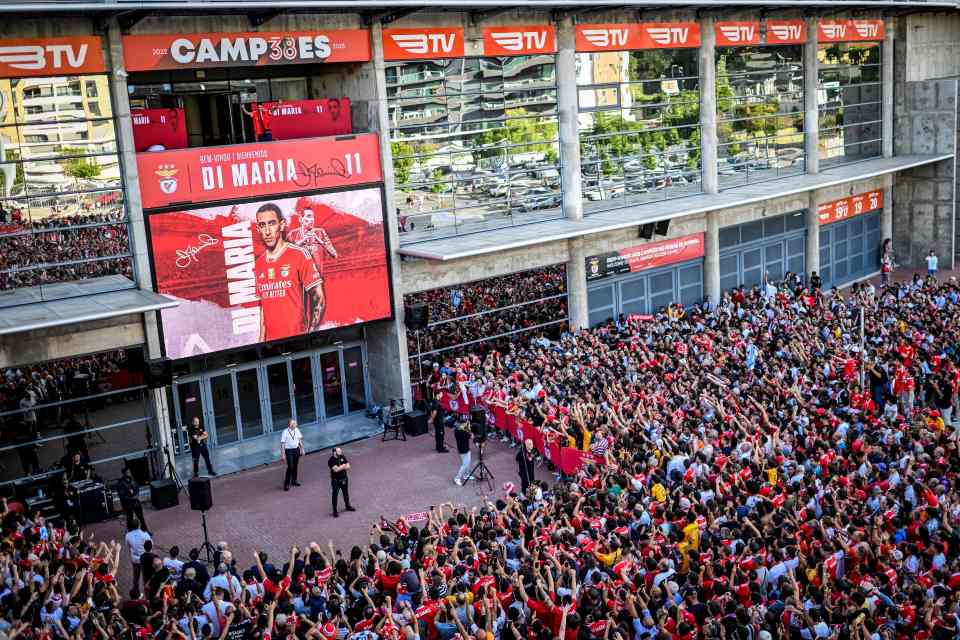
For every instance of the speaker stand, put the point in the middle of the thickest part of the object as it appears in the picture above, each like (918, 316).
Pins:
(170, 470)
(206, 547)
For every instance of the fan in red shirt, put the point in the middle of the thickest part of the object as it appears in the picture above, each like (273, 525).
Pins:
(289, 284)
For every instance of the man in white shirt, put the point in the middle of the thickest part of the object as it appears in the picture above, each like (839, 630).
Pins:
(291, 448)
(932, 264)
(135, 539)
(226, 582)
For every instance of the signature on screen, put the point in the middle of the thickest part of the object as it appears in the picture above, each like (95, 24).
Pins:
(312, 174)
(188, 255)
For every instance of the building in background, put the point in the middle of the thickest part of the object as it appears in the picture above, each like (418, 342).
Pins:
(225, 215)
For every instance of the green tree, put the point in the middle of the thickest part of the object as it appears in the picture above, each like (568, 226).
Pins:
(402, 153)
(437, 187)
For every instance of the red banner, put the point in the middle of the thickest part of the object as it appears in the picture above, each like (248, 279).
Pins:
(736, 34)
(51, 56)
(244, 49)
(422, 43)
(850, 30)
(310, 118)
(786, 31)
(853, 206)
(165, 128)
(522, 40)
(269, 269)
(627, 36)
(238, 171)
(645, 256)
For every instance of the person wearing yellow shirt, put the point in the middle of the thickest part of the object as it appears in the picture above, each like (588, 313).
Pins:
(609, 558)
(659, 492)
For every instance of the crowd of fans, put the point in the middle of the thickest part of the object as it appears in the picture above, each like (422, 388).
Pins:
(760, 471)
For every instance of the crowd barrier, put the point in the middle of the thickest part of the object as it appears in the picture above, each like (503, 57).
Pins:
(568, 460)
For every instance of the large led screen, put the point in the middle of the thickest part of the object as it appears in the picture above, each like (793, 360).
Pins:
(269, 269)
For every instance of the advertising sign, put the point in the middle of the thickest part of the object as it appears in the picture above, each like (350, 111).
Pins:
(845, 208)
(849, 30)
(51, 56)
(159, 127)
(246, 170)
(645, 256)
(422, 43)
(743, 33)
(269, 269)
(310, 118)
(786, 31)
(519, 40)
(733, 34)
(244, 49)
(627, 36)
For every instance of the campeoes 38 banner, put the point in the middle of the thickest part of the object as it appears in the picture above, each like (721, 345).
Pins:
(244, 170)
(269, 269)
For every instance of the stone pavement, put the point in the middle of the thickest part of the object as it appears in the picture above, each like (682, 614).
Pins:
(251, 510)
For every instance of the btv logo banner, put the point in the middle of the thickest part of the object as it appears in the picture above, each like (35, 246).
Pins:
(514, 40)
(629, 36)
(744, 33)
(850, 30)
(737, 33)
(50, 57)
(422, 43)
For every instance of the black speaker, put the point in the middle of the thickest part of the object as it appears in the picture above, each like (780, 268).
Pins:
(662, 227)
(159, 373)
(163, 494)
(646, 231)
(478, 423)
(416, 316)
(201, 497)
(93, 505)
(139, 469)
(416, 423)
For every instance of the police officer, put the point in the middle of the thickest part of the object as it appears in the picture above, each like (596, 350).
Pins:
(435, 417)
(338, 479)
(129, 493)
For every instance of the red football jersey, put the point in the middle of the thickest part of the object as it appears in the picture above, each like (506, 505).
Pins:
(283, 284)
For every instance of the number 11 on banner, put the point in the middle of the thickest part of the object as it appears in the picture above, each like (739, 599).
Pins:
(353, 163)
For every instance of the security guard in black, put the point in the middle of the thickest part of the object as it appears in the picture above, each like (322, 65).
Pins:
(338, 479)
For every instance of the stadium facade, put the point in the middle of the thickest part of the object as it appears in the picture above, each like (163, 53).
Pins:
(564, 164)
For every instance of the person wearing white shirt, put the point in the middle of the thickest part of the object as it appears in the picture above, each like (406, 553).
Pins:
(226, 582)
(135, 539)
(291, 448)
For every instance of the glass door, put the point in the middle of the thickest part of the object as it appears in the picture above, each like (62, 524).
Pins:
(353, 379)
(223, 409)
(304, 398)
(332, 385)
(248, 403)
(278, 388)
(189, 405)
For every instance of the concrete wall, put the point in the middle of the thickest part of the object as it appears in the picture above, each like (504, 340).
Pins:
(67, 341)
(932, 46)
(924, 214)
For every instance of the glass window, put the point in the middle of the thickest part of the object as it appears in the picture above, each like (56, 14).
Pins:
(92, 405)
(759, 113)
(478, 316)
(849, 100)
(474, 143)
(639, 126)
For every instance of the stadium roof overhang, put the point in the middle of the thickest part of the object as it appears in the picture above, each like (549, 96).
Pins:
(377, 6)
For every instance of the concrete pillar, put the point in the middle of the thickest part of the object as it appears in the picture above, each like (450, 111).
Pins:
(886, 214)
(708, 106)
(711, 258)
(577, 305)
(567, 115)
(811, 118)
(887, 82)
(812, 248)
(387, 341)
(137, 227)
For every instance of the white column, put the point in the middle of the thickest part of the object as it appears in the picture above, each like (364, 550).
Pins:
(137, 227)
(812, 248)
(567, 116)
(886, 214)
(577, 285)
(886, 75)
(711, 258)
(708, 106)
(811, 118)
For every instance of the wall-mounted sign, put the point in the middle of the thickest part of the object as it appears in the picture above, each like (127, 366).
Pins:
(645, 256)
(422, 43)
(51, 56)
(626, 36)
(845, 208)
(849, 30)
(519, 40)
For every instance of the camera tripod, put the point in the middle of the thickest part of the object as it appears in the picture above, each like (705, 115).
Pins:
(206, 548)
(481, 472)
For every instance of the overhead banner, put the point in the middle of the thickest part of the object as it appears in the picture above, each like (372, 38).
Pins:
(786, 31)
(310, 118)
(744, 33)
(519, 40)
(733, 34)
(244, 49)
(423, 43)
(51, 56)
(850, 30)
(269, 269)
(853, 206)
(154, 128)
(207, 174)
(645, 256)
(627, 36)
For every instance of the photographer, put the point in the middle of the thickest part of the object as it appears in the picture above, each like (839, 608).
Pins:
(462, 435)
